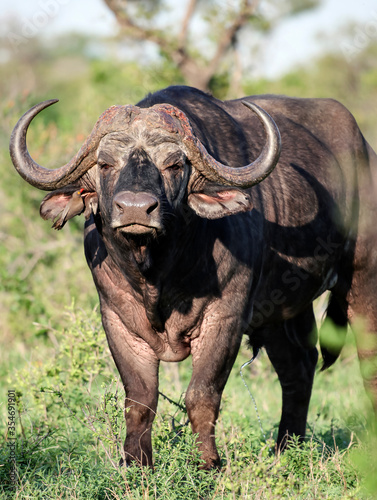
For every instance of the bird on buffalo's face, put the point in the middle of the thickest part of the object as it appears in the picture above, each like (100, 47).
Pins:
(74, 207)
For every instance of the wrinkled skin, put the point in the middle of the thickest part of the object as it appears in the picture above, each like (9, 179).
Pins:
(185, 266)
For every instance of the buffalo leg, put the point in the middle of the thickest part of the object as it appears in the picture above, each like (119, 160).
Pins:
(294, 357)
(212, 362)
(138, 368)
(362, 314)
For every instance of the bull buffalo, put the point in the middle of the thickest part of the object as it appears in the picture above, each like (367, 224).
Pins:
(205, 223)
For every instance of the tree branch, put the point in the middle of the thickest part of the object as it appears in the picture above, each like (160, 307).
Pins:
(247, 11)
(194, 72)
(125, 22)
(185, 24)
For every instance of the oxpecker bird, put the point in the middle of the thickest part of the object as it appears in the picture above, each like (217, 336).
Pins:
(74, 207)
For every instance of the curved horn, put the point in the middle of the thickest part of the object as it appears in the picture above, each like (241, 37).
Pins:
(34, 174)
(248, 175)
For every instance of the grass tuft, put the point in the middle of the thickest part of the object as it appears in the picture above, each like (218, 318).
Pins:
(70, 431)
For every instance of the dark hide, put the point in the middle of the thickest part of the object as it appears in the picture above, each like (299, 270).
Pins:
(185, 266)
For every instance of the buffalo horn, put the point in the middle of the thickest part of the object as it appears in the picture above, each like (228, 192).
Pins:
(248, 175)
(34, 174)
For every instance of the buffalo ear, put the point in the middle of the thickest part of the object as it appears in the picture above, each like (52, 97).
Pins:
(214, 201)
(55, 202)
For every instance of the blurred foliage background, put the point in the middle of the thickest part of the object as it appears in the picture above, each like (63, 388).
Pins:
(43, 271)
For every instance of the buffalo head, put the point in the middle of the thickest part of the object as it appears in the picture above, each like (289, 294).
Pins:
(139, 167)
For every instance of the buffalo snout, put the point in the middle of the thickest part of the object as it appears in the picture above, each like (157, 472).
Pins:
(135, 212)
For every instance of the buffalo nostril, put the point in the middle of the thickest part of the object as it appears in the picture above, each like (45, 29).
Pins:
(152, 207)
(119, 207)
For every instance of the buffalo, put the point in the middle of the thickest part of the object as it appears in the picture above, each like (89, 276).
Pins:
(207, 220)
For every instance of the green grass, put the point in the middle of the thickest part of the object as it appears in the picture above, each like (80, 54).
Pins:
(70, 430)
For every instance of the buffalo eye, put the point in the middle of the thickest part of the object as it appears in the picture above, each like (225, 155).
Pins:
(174, 162)
(174, 168)
(104, 166)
